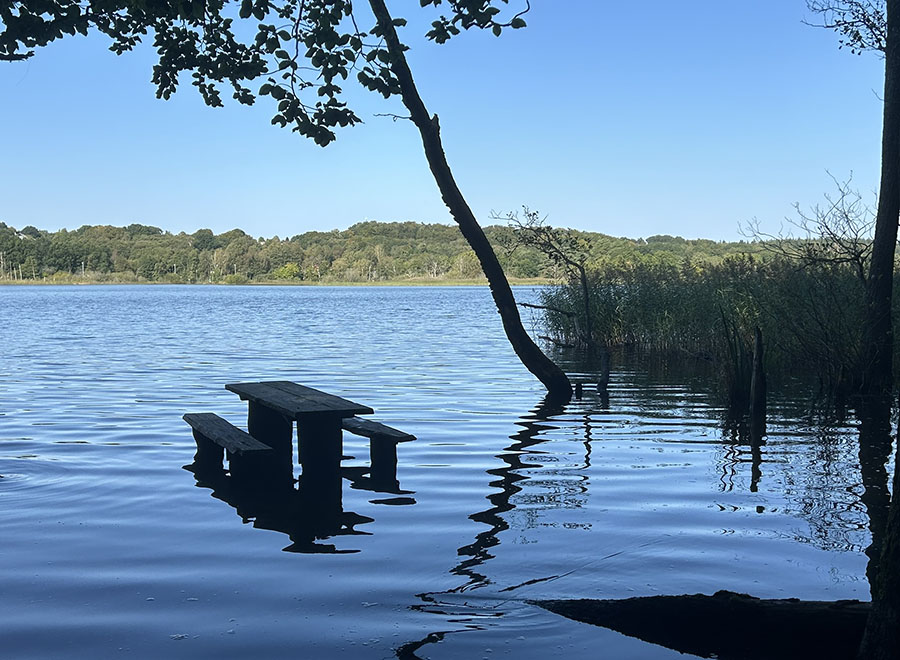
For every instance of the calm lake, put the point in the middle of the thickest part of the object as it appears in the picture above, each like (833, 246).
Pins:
(111, 549)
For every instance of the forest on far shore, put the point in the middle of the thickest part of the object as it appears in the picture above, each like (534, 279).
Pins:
(366, 252)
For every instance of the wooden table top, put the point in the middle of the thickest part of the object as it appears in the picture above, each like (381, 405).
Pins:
(296, 401)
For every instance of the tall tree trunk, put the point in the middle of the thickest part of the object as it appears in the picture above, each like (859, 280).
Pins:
(882, 637)
(877, 367)
(553, 378)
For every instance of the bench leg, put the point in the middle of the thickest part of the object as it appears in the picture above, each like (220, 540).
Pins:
(269, 471)
(383, 456)
(209, 454)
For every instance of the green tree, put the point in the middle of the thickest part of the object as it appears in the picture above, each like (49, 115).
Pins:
(30, 267)
(289, 271)
(875, 25)
(868, 24)
(204, 239)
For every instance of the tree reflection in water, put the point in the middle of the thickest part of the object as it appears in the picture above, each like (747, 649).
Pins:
(507, 482)
(473, 555)
(815, 484)
(875, 443)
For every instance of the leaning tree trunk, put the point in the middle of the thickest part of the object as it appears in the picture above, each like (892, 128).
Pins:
(553, 378)
(882, 636)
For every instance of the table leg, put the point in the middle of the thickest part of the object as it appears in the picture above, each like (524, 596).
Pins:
(269, 426)
(320, 444)
(274, 429)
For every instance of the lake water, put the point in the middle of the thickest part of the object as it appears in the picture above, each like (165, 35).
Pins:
(111, 549)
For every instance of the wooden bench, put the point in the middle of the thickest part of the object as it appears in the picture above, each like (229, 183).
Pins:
(215, 436)
(382, 445)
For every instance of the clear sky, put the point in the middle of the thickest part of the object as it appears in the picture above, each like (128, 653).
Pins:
(628, 118)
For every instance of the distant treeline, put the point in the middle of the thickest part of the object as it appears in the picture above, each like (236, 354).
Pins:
(366, 252)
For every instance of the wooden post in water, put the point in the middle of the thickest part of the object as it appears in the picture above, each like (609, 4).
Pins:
(758, 391)
(383, 459)
(603, 383)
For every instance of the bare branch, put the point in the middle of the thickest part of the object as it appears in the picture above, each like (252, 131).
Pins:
(838, 233)
(393, 116)
(862, 24)
(556, 342)
(564, 312)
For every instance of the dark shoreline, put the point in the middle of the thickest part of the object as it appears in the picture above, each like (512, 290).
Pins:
(728, 625)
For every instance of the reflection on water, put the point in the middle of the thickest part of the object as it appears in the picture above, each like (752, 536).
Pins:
(506, 481)
(875, 445)
(738, 440)
(300, 513)
(307, 511)
(834, 526)
(109, 545)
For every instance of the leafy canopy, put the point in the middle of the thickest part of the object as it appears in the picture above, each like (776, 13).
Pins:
(301, 51)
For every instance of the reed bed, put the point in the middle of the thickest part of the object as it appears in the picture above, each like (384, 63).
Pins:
(810, 315)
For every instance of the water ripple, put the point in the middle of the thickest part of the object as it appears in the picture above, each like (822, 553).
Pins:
(110, 547)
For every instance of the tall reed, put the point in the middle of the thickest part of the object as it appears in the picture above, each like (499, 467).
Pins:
(810, 315)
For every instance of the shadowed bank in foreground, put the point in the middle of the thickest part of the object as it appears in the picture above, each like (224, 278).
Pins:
(728, 625)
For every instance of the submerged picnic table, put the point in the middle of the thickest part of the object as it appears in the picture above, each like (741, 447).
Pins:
(273, 407)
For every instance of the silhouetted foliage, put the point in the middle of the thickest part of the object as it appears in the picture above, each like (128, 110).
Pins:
(299, 53)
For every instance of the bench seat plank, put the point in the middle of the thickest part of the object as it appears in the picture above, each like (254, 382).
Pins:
(221, 432)
(374, 430)
(295, 401)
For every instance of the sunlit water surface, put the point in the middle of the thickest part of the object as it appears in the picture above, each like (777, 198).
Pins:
(109, 548)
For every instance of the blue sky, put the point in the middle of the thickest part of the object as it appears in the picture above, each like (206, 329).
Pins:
(628, 118)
